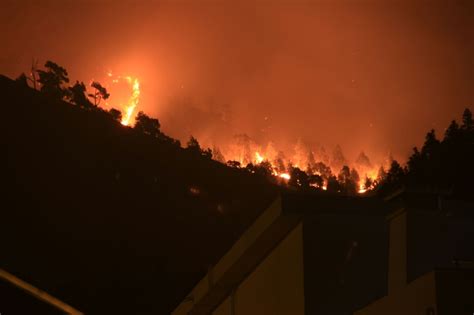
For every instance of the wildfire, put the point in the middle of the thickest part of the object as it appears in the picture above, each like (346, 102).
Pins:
(133, 101)
(259, 158)
(245, 152)
(129, 108)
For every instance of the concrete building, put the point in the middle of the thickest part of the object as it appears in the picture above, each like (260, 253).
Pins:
(430, 259)
(330, 255)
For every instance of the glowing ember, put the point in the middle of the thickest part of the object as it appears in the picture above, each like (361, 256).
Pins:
(285, 176)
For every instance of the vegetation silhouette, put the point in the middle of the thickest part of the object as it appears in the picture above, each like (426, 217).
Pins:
(116, 114)
(99, 94)
(108, 210)
(77, 95)
(194, 148)
(440, 165)
(52, 80)
(147, 125)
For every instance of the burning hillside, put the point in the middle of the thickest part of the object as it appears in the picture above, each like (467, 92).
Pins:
(300, 166)
(320, 167)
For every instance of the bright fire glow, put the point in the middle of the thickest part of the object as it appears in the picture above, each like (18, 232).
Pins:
(245, 151)
(120, 86)
(133, 101)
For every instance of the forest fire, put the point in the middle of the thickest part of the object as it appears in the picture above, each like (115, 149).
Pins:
(316, 164)
(131, 104)
(243, 152)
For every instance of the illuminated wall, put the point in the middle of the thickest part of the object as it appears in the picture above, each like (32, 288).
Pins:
(275, 286)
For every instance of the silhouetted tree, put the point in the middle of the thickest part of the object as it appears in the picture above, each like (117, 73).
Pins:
(99, 94)
(263, 169)
(298, 178)
(116, 114)
(452, 132)
(193, 145)
(22, 80)
(348, 180)
(279, 163)
(467, 121)
(414, 161)
(217, 155)
(77, 95)
(316, 181)
(52, 80)
(147, 125)
(323, 170)
(431, 145)
(395, 173)
(207, 153)
(333, 185)
(368, 183)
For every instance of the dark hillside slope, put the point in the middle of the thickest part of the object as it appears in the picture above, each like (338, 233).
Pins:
(105, 218)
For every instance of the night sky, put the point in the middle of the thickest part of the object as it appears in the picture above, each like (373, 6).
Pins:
(368, 75)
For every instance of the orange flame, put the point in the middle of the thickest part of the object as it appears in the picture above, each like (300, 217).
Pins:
(242, 153)
(133, 101)
(129, 108)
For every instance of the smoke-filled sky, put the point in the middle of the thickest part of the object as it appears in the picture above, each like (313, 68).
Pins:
(368, 75)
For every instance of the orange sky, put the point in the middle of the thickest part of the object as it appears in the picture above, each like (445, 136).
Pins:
(368, 75)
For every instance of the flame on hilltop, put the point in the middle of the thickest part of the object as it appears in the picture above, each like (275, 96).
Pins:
(128, 109)
(245, 151)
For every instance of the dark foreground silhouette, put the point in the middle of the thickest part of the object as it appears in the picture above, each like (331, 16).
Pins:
(122, 220)
(108, 219)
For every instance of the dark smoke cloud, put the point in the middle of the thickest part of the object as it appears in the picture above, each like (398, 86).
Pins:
(371, 76)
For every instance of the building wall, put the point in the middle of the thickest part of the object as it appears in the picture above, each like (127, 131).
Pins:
(276, 286)
(455, 292)
(415, 299)
(345, 259)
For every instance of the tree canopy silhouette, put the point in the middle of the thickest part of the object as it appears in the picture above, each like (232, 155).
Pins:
(439, 165)
(147, 125)
(116, 114)
(194, 147)
(99, 94)
(52, 80)
(77, 95)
